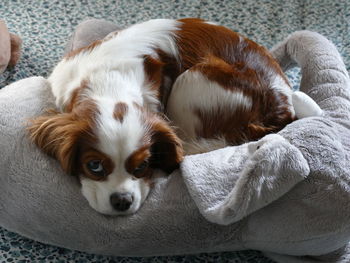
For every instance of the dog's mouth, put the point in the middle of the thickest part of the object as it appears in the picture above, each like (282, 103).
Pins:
(112, 202)
(122, 210)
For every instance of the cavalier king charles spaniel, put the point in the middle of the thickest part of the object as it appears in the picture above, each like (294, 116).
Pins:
(121, 97)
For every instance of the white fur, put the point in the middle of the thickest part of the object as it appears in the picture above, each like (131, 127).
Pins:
(98, 193)
(118, 140)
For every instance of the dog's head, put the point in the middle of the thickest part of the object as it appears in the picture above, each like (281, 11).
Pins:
(113, 148)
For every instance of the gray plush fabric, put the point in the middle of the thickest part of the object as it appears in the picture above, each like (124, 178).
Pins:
(88, 31)
(289, 197)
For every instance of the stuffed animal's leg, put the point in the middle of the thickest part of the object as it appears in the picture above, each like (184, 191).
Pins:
(305, 106)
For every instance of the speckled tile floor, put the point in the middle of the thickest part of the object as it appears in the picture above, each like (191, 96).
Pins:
(45, 27)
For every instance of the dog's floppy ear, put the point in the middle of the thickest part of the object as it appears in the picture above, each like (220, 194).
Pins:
(153, 69)
(58, 135)
(166, 149)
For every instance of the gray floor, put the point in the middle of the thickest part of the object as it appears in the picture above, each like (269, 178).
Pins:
(45, 27)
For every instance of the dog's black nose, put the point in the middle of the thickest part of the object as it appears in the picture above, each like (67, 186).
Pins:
(121, 201)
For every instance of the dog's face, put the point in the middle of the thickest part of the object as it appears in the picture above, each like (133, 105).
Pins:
(113, 148)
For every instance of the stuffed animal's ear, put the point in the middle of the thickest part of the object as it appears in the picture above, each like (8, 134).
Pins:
(58, 135)
(166, 150)
(16, 43)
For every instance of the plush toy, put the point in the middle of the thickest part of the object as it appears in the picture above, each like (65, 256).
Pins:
(10, 47)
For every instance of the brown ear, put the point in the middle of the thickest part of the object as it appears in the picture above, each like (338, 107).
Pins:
(58, 135)
(166, 150)
(257, 131)
(153, 68)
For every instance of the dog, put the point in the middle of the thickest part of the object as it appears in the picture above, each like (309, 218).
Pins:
(216, 86)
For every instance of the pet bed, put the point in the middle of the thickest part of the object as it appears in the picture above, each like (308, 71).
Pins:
(287, 194)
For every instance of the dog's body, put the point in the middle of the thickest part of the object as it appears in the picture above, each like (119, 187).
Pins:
(223, 89)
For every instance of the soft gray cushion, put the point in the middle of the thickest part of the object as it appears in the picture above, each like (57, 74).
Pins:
(289, 196)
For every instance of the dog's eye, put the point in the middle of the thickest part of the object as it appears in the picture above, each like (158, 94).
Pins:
(96, 167)
(141, 169)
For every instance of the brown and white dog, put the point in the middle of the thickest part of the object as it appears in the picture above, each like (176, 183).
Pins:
(223, 89)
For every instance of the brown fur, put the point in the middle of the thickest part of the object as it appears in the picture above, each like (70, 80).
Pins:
(61, 135)
(136, 158)
(160, 146)
(88, 154)
(164, 145)
(120, 110)
(198, 40)
(154, 70)
(166, 150)
(76, 96)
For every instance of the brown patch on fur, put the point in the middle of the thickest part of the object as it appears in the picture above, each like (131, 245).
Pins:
(236, 127)
(137, 158)
(164, 145)
(61, 135)
(166, 150)
(171, 70)
(269, 112)
(90, 154)
(120, 110)
(153, 69)
(76, 96)
(229, 76)
(197, 40)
